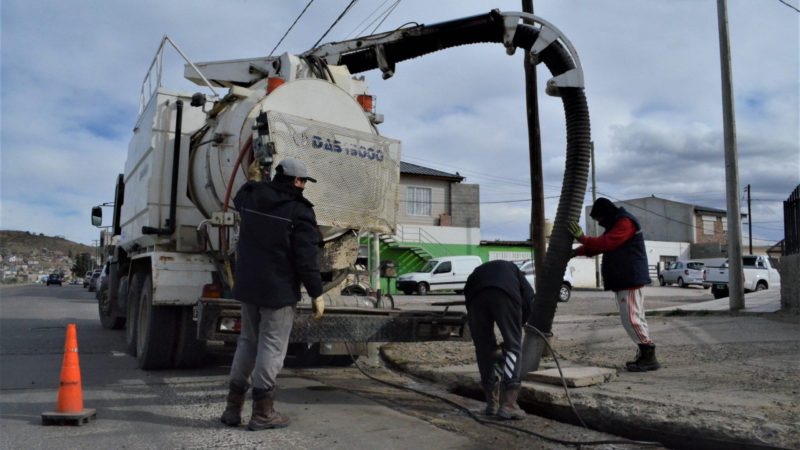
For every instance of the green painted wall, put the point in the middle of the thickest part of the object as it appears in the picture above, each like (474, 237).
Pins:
(407, 261)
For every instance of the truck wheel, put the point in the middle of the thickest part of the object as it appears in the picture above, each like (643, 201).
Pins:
(189, 351)
(108, 318)
(155, 330)
(761, 286)
(422, 288)
(681, 284)
(132, 312)
(564, 293)
(661, 281)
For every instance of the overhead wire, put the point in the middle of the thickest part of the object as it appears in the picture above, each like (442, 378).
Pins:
(290, 28)
(346, 9)
(789, 5)
(386, 15)
(353, 31)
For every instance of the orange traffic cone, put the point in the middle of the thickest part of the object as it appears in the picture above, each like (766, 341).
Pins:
(69, 407)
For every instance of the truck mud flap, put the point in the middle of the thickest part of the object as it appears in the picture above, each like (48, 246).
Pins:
(219, 321)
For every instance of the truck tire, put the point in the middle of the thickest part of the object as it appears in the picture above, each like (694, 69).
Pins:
(122, 297)
(422, 288)
(761, 286)
(189, 351)
(564, 293)
(108, 317)
(661, 281)
(132, 312)
(155, 330)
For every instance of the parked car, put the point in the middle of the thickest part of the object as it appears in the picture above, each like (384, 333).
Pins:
(101, 283)
(683, 273)
(443, 273)
(564, 294)
(758, 276)
(54, 278)
(93, 279)
(87, 278)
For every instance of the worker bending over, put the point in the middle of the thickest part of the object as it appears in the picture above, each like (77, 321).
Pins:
(498, 293)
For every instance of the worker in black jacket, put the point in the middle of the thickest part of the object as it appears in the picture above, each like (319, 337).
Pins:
(498, 293)
(278, 249)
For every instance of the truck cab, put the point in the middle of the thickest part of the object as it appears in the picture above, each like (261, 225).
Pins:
(758, 276)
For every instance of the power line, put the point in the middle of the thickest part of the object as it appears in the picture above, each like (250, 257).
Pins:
(367, 18)
(790, 6)
(290, 28)
(386, 16)
(350, 5)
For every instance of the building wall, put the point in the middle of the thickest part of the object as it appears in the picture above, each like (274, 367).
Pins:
(661, 220)
(466, 208)
(438, 234)
(716, 233)
(790, 283)
(440, 203)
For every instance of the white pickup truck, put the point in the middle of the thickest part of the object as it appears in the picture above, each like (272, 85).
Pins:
(758, 275)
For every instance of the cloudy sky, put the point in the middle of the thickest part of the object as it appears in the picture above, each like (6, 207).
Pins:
(72, 71)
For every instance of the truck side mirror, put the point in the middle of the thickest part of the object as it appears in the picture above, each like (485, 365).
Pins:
(97, 216)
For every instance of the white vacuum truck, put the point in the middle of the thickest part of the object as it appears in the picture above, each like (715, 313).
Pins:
(170, 274)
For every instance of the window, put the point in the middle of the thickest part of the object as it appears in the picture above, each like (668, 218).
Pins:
(418, 200)
(708, 224)
(445, 267)
(724, 224)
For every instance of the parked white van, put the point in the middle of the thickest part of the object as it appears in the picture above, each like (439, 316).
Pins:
(439, 274)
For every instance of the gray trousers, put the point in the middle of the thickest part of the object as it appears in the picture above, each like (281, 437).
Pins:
(262, 345)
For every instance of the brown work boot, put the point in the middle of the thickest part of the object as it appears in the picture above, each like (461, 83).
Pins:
(232, 416)
(492, 400)
(509, 409)
(264, 416)
(645, 359)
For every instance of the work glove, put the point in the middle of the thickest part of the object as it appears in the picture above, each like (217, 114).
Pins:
(254, 171)
(319, 307)
(575, 230)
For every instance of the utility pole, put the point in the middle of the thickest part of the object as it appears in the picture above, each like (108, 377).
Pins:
(735, 272)
(594, 199)
(749, 221)
(538, 244)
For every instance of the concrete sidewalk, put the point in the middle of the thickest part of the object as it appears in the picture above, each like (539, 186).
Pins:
(728, 380)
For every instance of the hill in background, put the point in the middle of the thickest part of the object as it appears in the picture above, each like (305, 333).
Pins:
(25, 243)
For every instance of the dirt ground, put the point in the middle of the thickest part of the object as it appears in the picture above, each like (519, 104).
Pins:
(738, 375)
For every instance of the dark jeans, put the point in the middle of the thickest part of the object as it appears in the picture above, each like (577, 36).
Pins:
(487, 308)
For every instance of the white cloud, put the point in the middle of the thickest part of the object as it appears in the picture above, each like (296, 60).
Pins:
(71, 73)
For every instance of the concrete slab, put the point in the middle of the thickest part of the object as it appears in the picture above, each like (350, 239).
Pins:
(573, 376)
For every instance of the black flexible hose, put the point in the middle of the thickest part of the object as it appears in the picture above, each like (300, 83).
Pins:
(488, 28)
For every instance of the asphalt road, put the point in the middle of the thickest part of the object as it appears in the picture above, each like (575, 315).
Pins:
(330, 407)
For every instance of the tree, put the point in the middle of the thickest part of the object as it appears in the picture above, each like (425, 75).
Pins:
(82, 264)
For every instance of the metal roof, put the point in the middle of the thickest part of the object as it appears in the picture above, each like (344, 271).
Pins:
(413, 169)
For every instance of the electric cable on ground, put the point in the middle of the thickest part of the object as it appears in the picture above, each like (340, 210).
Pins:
(482, 421)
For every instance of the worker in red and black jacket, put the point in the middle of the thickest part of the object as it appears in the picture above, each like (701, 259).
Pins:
(625, 272)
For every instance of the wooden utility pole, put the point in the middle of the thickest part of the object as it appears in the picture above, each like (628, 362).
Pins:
(735, 272)
(538, 244)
